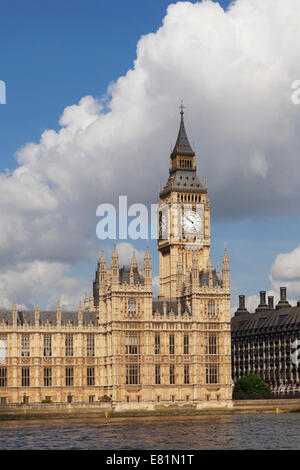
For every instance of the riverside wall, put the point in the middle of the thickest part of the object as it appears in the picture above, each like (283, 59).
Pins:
(107, 411)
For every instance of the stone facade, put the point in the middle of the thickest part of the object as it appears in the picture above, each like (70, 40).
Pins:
(122, 344)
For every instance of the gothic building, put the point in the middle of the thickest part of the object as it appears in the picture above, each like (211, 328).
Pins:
(122, 344)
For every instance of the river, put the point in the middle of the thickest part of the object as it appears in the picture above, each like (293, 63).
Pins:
(253, 431)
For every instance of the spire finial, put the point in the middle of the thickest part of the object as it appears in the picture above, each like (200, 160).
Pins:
(101, 257)
(134, 263)
(115, 252)
(225, 257)
(181, 108)
(209, 264)
(37, 308)
(147, 254)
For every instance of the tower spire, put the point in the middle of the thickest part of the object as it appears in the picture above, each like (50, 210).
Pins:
(182, 146)
(133, 261)
(115, 256)
(181, 108)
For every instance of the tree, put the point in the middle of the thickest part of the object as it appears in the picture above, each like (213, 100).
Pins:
(251, 385)
(105, 398)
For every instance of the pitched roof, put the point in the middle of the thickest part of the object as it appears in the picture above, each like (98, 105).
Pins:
(124, 276)
(266, 320)
(182, 146)
(204, 278)
(50, 316)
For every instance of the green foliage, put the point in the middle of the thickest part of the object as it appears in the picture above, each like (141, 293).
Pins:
(46, 401)
(251, 385)
(105, 398)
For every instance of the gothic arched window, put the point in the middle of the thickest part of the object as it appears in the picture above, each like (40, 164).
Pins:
(211, 308)
(132, 307)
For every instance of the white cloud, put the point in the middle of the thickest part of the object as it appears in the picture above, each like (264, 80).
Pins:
(155, 286)
(258, 164)
(285, 271)
(234, 71)
(125, 251)
(286, 266)
(28, 283)
(252, 301)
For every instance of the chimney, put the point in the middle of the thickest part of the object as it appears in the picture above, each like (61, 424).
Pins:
(271, 302)
(262, 297)
(283, 303)
(241, 301)
(262, 304)
(242, 309)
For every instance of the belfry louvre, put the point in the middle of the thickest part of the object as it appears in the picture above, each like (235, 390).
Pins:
(121, 344)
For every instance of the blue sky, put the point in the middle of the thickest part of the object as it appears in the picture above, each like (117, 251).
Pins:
(54, 53)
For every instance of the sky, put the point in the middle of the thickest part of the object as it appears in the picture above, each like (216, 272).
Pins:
(92, 109)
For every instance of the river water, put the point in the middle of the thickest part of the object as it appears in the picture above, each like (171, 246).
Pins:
(261, 431)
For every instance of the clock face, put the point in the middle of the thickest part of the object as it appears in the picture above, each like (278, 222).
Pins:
(191, 221)
(163, 223)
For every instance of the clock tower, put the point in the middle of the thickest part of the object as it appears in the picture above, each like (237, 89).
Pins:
(184, 218)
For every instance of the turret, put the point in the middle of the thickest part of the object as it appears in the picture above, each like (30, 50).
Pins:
(218, 273)
(115, 268)
(58, 314)
(91, 304)
(133, 266)
(226, 271)
(141, 272)
(148, 269)
(108, 276)
(80, 314)
(37, 315)
(210, 272)
(15, 314)
(102, 268)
